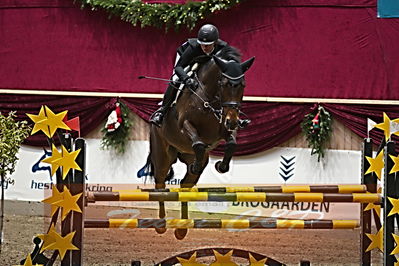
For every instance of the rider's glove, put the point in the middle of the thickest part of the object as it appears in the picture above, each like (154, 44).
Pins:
(191, 83)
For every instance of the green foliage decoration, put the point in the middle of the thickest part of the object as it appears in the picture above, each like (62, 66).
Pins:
(118, 139)
(12, 134)
(317, 129)
(162, 14)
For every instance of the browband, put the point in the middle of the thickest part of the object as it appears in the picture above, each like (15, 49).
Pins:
(233, 78)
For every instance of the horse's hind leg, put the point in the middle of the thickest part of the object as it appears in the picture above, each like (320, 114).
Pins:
(188, 181)
(162, 158)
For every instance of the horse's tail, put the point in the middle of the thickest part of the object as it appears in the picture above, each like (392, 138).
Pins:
(147, 170)
(170, 174)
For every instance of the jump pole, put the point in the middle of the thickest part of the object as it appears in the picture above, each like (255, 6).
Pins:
(271, 188)
(234, 196)
(266, 223)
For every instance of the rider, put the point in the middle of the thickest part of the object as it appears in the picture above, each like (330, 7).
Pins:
(206, 43)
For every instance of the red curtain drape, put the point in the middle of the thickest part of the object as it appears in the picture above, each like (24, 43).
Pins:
(272, 123)
(91, 110)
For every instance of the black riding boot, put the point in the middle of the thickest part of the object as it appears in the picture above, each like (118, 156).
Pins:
(170, 95)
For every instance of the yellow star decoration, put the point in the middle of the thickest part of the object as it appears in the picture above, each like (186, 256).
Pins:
(376, 207)
(376, 164)
(223, 260)
(54, 121)
(69, 203)
(28, 262)
(48, 239)
(65, 200)
(255, 262)
(55, 198)
(386, 126)
(40, 122)
(57, 242)
(376, 240)
(395, 167)
(65, 159)
(396, 249)
(192, 261)
(395, 206)
(55, 155)
(48, 122)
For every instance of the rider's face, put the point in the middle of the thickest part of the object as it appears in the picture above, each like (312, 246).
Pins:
(207, 48)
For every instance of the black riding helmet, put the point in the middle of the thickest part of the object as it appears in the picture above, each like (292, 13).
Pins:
(207, 34)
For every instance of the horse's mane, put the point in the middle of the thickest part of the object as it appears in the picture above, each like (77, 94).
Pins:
(230, 53)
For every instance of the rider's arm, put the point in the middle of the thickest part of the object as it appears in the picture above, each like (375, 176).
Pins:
(184, 60)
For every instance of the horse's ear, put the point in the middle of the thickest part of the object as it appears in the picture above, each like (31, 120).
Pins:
(220, 63)
(247, 64)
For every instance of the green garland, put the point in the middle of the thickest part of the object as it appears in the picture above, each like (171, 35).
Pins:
(317, 129)
(118, 139)
(159, 15)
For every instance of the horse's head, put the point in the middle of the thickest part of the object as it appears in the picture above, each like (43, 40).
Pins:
(231, 88)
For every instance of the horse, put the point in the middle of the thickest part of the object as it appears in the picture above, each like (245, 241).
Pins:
(198, 121)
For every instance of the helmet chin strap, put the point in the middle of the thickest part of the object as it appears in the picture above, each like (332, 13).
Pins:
(210, 51)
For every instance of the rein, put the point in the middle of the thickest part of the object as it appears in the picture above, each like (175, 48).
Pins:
(216, 113)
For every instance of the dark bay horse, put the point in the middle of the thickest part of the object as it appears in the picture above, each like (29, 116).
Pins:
(198, 122)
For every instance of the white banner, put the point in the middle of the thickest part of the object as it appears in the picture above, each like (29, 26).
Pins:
(106, 171)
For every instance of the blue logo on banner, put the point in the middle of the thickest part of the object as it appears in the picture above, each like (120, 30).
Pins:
(36, 167)
(287, 167)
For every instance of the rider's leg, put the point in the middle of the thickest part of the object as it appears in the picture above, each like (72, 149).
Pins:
(168, 98)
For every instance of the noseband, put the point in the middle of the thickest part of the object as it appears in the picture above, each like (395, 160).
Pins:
(232, 105)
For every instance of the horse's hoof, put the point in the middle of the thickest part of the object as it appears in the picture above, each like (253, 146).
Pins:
(194, 170)
(180, 233)
(221, 168)
(160, 230)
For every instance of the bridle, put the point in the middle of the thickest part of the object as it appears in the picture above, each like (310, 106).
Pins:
(218, 113)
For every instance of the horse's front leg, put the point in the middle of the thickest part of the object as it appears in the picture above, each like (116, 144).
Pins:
(162, 158)
(231, 143)
(198, 146)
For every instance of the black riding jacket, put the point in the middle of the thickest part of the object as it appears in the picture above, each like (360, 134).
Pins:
(190, 51)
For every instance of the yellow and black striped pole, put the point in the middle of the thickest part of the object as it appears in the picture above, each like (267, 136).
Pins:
(234, 196)
(271, 188)
(263, 223)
